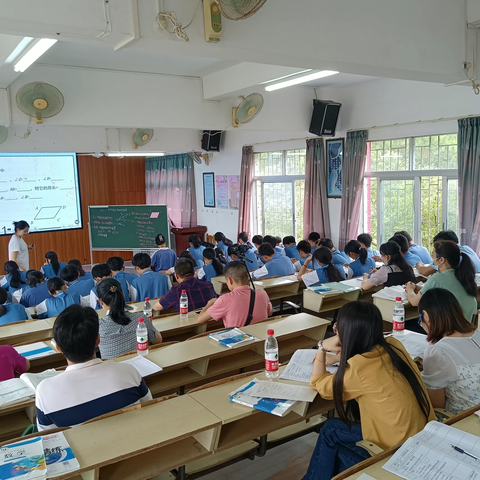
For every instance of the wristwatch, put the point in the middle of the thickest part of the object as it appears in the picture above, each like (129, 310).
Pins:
(320, 346)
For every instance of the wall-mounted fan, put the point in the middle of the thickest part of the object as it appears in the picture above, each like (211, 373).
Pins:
(40, 100)
(239, 9)
(142, 136)
(248, 109)
(197, 157)
(3, 133)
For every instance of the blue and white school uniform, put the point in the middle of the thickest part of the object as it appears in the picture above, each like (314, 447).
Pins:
(422, 252)
(317, 277)
(150, 284)
(372, 253)
(279, 266)
(299, 264)
(280, 250)
(473, 256)
(15, 313)
(33, 296)
(207, 272)
(5, 283)
(81, 288)
(197, 254)
(94, 303)
(87, 276)
(251, 254)
(339, 258)
(125, 280)
(412, 259)
(292, 252)
(48, 272)
(163, 259)
(16, 296)
(224, 248)
(357, 268)
(53, 306)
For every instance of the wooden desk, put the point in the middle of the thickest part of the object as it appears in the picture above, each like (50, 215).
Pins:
(175, 328)
(386, 308)
(220, 285)
(465, 421)
(32, 330)
(316, 302)
(279, 288)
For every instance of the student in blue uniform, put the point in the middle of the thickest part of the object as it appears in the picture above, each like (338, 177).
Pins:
(38, 291)
(251, 252)
(149, 284)
(100, 272)
(223, 242)
(276, 264)
(52, 266)
(59, 299)
(291, 250)
(411, 258)
(164, 258)
(70, 275)
(366, 240)
(361, 262)
(313, 239)
(339, 258)
(249, 255)
(14, 279)
(273, 242)
(117, 267)
(83, 274)
(328, 272)
(211, 268)
(279, 244)
(257, 240)
(196, 249)
(9, 312)
(422, 252)
(304, 250)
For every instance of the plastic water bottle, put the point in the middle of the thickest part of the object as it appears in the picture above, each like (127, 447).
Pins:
(147, 309)
(184, 305)
(142, 337)
(398, 317)
(271, 356)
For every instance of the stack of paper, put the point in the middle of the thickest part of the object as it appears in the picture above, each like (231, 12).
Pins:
(436, 453)
(33, 380)
(35, 350)
(143, 366)
(414, 343)
(391, 293)
(232, 338)
(283, 391)
(300, 366)
(14, 391)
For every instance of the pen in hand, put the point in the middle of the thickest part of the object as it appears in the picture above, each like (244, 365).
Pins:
(459, 450)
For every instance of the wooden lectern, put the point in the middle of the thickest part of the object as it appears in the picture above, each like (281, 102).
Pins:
(182, 234)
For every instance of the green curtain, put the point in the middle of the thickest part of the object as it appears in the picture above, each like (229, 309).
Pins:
(170, 181)
(469, 181)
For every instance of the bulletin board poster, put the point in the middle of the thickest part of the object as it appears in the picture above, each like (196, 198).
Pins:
(234, 191)
(221, 191)
(209, 190)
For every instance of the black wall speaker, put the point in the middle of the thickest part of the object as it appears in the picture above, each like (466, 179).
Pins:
(324, 118)
(211, 140)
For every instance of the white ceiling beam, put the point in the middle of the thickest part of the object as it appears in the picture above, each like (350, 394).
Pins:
(240, 77)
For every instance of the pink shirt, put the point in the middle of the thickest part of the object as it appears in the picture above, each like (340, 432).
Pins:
(11, 362)
(233, 307)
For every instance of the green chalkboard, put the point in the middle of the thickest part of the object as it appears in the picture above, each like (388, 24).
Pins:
(127, 227)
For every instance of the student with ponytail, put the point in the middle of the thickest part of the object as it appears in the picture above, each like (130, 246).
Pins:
(51, 268)
(14, 279)
(380, 376)
(362, 263)
(58, 300)
(196, 249)
(223, 242)
(395, 271)
(83, 274)
(38, 291)
(9, 312)
(164, 258)
(326, 271)
(212, 266)
(456, 273)
(117, 329)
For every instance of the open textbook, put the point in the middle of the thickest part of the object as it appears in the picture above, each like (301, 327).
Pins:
(391, 293)
(414, 343)
(300, 366)
(430, 455)
(35, 350)
(18, 390)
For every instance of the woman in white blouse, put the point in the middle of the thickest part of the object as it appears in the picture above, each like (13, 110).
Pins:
(451, 363)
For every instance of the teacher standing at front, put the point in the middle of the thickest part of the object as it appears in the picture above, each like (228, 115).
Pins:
(17, 247)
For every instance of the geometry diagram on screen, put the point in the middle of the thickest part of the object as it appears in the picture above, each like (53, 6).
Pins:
(47, 213)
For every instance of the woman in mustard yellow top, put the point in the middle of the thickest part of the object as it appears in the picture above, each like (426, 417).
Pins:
(383, 379)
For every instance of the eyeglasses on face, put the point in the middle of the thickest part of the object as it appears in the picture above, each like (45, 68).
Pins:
(420, 320)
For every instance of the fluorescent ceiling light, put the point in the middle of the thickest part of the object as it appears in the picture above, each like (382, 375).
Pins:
(287, 76)
(300, 79)
(34, 53)
(135, 154)
(20, 48)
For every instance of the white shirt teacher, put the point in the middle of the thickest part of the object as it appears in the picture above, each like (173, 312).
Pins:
(18, 248)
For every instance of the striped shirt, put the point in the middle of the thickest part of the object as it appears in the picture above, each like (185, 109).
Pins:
(199, 292)
(87, 390)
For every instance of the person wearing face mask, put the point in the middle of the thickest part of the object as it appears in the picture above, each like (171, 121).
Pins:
(455, 273)
(395, 271)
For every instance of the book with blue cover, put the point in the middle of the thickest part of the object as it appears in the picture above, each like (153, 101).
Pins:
(280, 408)
(232, 338)
(23, 460)
(58, 454)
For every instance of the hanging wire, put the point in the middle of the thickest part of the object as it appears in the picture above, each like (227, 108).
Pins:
(178, 29)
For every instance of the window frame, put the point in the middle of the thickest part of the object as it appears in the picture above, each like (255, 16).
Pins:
(416, 175)
(284, 178)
